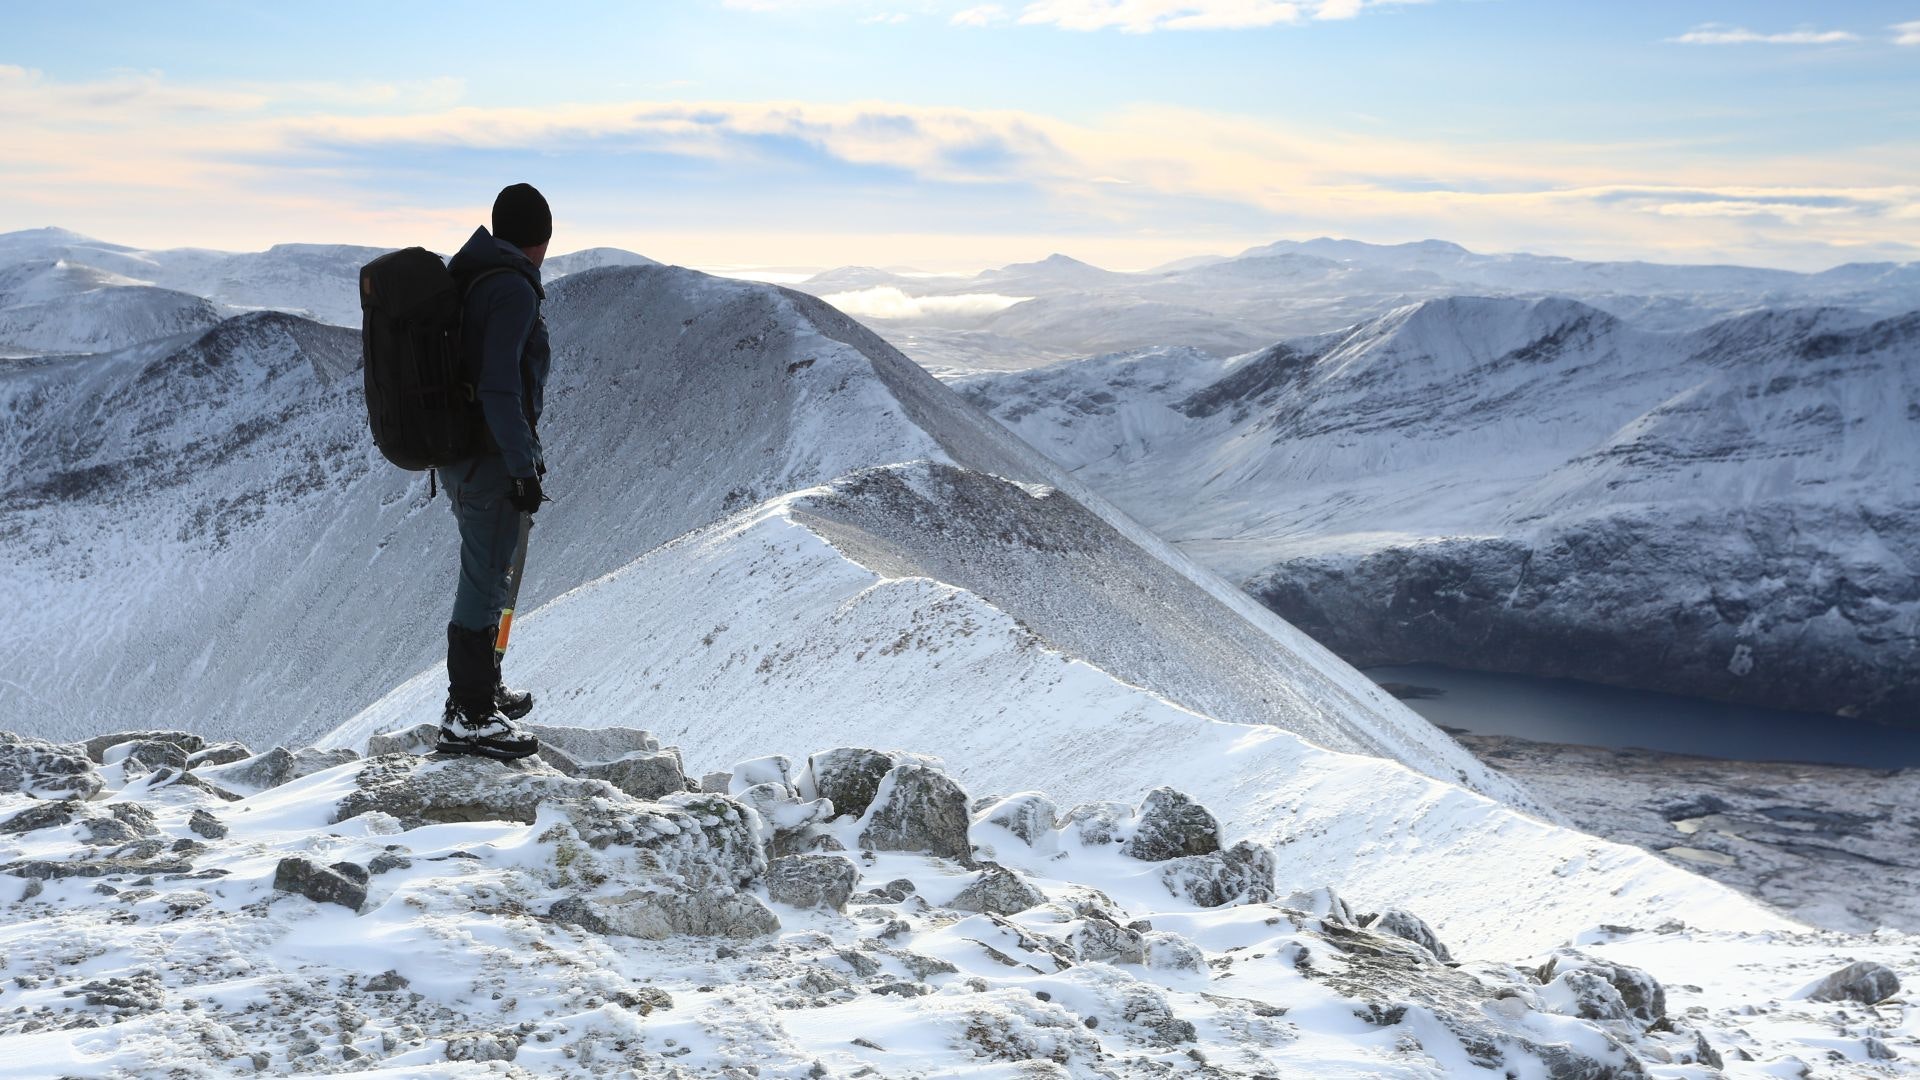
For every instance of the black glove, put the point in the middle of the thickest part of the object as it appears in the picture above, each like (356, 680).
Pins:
(525, 494)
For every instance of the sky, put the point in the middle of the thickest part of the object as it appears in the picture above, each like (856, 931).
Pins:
(954, 135)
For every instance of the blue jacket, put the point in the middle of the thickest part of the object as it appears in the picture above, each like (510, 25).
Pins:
(506, 340)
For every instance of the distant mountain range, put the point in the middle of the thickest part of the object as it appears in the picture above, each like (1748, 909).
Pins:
(1538, 486)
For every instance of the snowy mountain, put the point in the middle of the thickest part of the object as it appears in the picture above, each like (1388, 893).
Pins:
(213, 515)
(1537, 486)
(1289, 289)
(560, 266)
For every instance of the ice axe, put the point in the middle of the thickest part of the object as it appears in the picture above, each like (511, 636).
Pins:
(513, 586)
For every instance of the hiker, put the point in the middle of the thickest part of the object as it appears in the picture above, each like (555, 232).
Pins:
(505, 342)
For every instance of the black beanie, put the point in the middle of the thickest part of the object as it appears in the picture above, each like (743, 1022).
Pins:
(521, 217)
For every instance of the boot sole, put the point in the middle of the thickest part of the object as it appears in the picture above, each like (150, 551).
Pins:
(479, 750)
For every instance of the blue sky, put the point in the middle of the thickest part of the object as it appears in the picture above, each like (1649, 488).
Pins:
(959, 134)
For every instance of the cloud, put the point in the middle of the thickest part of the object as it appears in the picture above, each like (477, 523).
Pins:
(146, 160)
(983, 15)
(1145, 16)
(1716, 34)
(1906, 33)
(888, 302)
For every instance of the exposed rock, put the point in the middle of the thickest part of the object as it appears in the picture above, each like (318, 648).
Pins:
(1108, 941)
(171, 777)
(274, 767)
(45, 815)
(812, 881)
(595, 744)
(483, 1046)
(1242, 874)
(775, 769)
(716, 783)
(207, 825)
(1171, 825)
(141, 863)
(1147, 1008)
(848, 777)
(1645, 999)
(1582, 993)
(998, 891)
(1098, 823)
(1171, 952)
(97, 747)
(643, 774)
(786, 821)
(418, 739)
(1863, 981)
(321, 884)
(388, 860)
(1404, 924)
(45, 770)
(223, 753)
(918, 808)
(123, 823)
(655, 916)
(1028, 815)
(386, 982)
(1323, 902)
(151, 755)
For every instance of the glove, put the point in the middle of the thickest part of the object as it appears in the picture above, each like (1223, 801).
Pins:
(525, 494)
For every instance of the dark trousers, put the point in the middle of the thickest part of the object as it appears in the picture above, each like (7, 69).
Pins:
(489, 532)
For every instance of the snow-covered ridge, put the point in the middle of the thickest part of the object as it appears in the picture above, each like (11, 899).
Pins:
(231, 542)
(1538, 486)
(852, 910)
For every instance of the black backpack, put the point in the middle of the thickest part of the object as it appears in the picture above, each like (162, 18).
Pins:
(421, 405)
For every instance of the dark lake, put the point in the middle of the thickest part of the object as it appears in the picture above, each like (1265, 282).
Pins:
(1564, 711)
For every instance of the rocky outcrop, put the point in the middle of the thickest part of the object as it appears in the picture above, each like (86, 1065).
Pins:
(812, 881)
(848, 777)
(1170, 825)
(46, 770)
(918, 808)
(343, 883)
(998, 891)
(1863, 981)
(1242, 874)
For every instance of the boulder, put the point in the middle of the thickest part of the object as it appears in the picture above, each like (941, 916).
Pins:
(643, 774)
(1094, 824)
(1243, 874)
(1170, 825)
(848, 777)
(224, 753)
(152, 755)
(1323, 902)
(1863, 981)
(1404, 924)
(596, 743)
(776, 769)
(1170, 952)
(1644, 999)
(998, 891)
(418, 739)
(715, 783)
(1108, 941)
(321, 884)
(171, 777)
(812, 881)
(46, 770)
(273, 768)
(918, 808)
(1583, 993)
(1028, 815)
(97, 747)
(207, 825)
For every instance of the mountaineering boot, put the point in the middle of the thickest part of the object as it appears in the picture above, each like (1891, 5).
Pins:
(479, 730)
(471, 723)
(514, 704)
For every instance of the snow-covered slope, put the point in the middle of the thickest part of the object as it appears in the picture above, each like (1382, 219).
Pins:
(560, 266)
(226, 546)
(1537, 486)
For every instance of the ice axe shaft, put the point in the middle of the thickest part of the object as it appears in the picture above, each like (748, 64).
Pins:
(513, 586)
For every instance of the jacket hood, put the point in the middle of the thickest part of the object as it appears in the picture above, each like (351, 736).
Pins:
(483, 252)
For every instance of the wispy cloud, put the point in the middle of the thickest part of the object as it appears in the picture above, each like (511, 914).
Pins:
(153, 161)
(1716, 34)
(1145, 16)
(1906, 33)
(982, 15)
